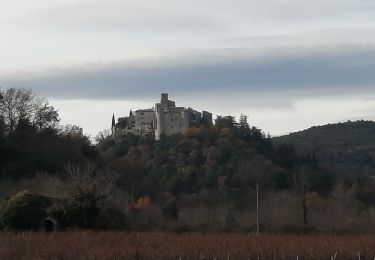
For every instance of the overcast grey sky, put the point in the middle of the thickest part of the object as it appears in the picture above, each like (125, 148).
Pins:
(287, 64)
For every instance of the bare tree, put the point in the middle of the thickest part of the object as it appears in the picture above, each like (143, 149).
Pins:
(45, 117)
(70, 130)
(89, 178)
(22, 104)
(102, 135)
(15, 104)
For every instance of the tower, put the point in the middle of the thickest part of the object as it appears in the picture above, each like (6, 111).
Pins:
(160, 124)
(164, 98)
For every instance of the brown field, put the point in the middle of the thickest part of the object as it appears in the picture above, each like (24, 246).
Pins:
(116, 245)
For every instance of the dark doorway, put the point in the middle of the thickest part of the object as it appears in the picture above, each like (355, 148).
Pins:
(48, 225)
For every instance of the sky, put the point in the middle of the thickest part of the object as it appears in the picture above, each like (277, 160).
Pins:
(286, 64)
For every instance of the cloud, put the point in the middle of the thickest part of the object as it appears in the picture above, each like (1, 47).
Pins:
(161, 16)
(43, 33)
(320, 69)
(205, 15)
(327, 36)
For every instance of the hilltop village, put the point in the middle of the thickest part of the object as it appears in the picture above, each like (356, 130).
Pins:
(162, 119)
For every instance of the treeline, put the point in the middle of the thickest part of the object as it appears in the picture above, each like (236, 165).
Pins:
(31, 139)
(203, 180)
(348, 146)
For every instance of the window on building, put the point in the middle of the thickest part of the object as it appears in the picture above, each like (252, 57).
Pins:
(171, 125)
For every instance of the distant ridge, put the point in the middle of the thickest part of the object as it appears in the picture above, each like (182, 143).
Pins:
(349, 146)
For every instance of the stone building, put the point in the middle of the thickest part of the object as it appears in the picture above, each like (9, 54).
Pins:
(164, 118)
(144, 121)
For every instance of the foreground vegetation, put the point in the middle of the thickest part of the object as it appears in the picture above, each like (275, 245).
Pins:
(109, 245)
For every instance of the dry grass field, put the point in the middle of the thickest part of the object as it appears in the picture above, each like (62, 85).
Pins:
(116, 245)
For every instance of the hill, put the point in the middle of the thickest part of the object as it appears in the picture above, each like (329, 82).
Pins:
(348, 146)
(216, 178)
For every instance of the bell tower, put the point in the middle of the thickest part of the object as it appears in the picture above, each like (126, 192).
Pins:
(164, 98)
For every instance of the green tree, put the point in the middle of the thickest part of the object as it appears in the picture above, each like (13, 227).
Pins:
(225, 122)
(243, 127)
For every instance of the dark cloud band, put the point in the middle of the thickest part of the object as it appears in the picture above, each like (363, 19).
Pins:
(341, 68)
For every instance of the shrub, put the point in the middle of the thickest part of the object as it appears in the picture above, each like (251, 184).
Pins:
(82, 210)
(170, 209)
(25, 211)
(179, 229)
(111, 218)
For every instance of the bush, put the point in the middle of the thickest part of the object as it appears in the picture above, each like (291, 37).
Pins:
(25, 211)
(2, 208)
(170, 210)
(111, 218)
(294, 229)
(184, 229)
(82, 210)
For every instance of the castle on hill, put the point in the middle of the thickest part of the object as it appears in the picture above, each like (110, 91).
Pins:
(163, 119)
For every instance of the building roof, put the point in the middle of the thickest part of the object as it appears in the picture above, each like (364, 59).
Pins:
(145, 110)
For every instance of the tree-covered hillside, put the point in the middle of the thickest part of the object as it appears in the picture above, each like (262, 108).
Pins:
(349, 146)
(207, 178)
(203, 180)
